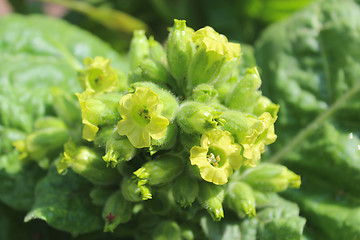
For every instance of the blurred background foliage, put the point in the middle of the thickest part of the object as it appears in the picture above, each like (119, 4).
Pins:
(115, 20)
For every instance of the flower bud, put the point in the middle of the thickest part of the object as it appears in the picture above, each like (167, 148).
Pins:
(87, 163)
(98, 110)
(204, 93)
(161, 170)
(150, 71)
(269, 177)
(66, 106)
(103, 135)
(194, 117)
(139, 49)
(130, 190)
(240, 198)
(212, 53)
(185, 189)
(179, 50)
(167, 230)
(43, 143)
(156, 50)
(245, 94)
(265, 105)
(99, 195)
(117, 210)
(160, 204)
(211, 197)
(118, 148)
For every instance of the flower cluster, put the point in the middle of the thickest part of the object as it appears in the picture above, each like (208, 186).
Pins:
(172, 132)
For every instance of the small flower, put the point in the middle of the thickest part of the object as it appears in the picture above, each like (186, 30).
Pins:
(262, 135)
(99, 76)
(212, 41)
(141, 119)
(217, 157)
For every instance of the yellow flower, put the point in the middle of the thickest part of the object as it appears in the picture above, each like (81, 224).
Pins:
(217, 157)
(215, 42)
(262, 135)
(99, 76)
(141, 119)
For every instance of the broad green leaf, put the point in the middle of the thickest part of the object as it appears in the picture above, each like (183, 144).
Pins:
(63, 201)
(17, 189)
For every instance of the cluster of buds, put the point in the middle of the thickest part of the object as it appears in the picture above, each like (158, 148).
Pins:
(172, 133)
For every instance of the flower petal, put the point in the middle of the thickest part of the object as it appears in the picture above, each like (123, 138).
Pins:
(157, 127)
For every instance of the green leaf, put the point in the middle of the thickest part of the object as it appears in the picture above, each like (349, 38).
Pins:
(64, 203)
(17, 189)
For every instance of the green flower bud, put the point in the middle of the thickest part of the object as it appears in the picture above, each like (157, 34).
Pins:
(44, 142)
(240, 198)
(139, 49)
(245, 94)
(66, 106)
(169, 101)
(212, 53)
(211, 197)
(160, 203)
(179, 50)
(126, 168)
(99, 76)
(189, 140)
(269, 177)
(99, 195)
(167, 230)
(161, 170)
(185, 190)
(156, 50)
(117, 210)
(224, 88)
(150, 71)
(87, 163)
(98, 110)
(118, 148)
(130, 190)
(194, 117)
(103, 135)
(204, 93)
(265, 105)
(167, 142)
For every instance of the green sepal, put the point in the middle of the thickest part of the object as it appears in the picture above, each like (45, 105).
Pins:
(118, 148)
(245, 94)
(157, 52)
(139, 49)
(211, 197)
(239, 197)
(150, 70)
(204, 93)
(159, 171)
(66, 106)
(195, 117)
(87, 163)
(268, 177)
(185, 190)
(44, 142)
(130, 190)
(117, 210)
